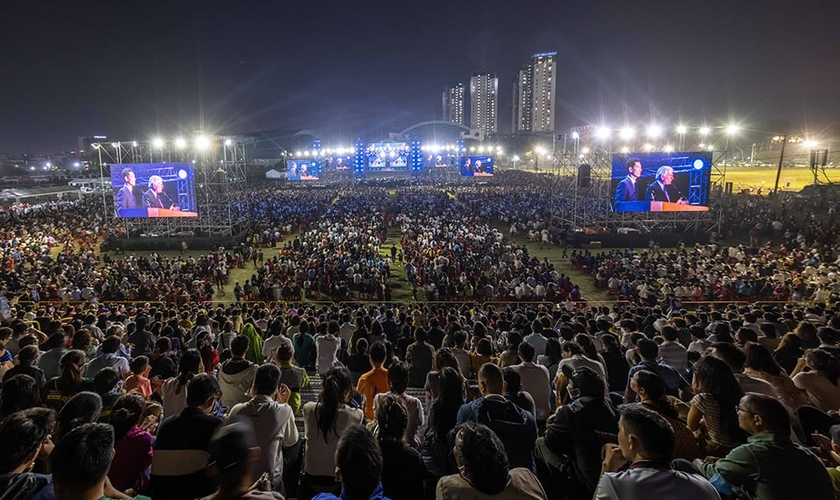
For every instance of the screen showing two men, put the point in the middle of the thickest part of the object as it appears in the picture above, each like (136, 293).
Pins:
(661, 182)
(154, 189)
(476, 166)
(303, 170)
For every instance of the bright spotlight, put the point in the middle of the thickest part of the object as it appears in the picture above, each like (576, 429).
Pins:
(157, 142)
(115, 145)
(298, 153)
(575, 135)
(681, 129)
(180, 143)
(515, 158)
(585, 150)
(228, 142)
(704, 130)
(134, 144)
(810, 143)
(202, 143)
(627, 133)
(602, 133)
(668, 148)
(648, 147)
(77, 164)
(732, 129)
(182, 174)
(654, 131)
(625, 149)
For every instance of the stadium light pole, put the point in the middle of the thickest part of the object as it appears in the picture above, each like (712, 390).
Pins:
(98, 147)
(779, 169)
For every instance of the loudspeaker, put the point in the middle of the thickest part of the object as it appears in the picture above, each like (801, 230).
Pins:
(584, 176)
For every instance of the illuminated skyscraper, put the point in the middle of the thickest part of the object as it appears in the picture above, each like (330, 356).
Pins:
(453, 104)
(534, 94)
(484, 102)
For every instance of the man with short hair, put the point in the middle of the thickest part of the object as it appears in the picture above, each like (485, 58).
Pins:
(769, 466)
(535, 380)
(625, 190)
(671, 352)
(125, 196)
(80, 462)
(536, 338)
(358, 466)
(648, 351)
(236, 375)
(376, 380)
(109, 357)
(516, 427)
(272, 420)
(646, 444)
(181, 449)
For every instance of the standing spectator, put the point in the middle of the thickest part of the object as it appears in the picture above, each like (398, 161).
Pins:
(174, 391)
(142, 339)
(398, 383)
(303, 344)
(132, 444)
(403, 472)
(327, 347)
(535, 381)
(181, 450)
(419, 356)
(138, 380)
(294, 377)
(236, 375)
(50, 361)
(376, 380)
(536, 338)
(255, 351)
(443, 415)
(324, 423)
(61, 389)
(109, 357)
(273, 422)
(232, 448)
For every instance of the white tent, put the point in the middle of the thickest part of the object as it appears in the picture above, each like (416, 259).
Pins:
(273, 174)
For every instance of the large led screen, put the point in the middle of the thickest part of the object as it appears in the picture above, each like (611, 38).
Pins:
(154, 189)
(303, 170)
(476, 166)
(661, 182)
(387, 156)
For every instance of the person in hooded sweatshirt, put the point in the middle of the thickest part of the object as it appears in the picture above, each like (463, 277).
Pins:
(236, 375)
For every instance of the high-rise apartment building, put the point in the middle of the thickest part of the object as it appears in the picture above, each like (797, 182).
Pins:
(534, 94)
(484, 102)
(453, 104)
(521, 99)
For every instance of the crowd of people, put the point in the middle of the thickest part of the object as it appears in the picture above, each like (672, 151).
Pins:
(126, 376)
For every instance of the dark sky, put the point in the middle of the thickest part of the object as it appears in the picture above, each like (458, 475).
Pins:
(131, 69)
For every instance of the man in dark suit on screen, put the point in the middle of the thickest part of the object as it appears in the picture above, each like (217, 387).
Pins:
(155, 197)
(662, 189)
(125, 196)
(626, 189)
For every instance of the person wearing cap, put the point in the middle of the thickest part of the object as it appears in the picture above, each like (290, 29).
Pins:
(569, 454)
(639, 465)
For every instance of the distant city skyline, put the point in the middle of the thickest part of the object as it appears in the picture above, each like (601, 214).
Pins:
(138, 70)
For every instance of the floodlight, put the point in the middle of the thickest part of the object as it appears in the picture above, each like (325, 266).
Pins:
(585, 151)
(625, 149)
(228, 142)
(654, 131)
(134, 144)
(180, 143)
(182, 174)
(157, 142)
(681, 129)
(732, 129)
(202, 143)
(704, 130)
(648, 147)
(627, 133)
(810, 143)
(77, 164)
(515, 158)
(602, 133)
(668, 148)
(575, 135)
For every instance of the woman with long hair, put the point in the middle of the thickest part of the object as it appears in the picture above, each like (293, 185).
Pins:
(83, 408)
(760, 364)
(711, 415)
(132, 444)
(652, 392)
(304, 342)
(209, 355)
(789, 352)
(443, 415)
(174, 390)
(820, 380)
(61, 389)
(443, 358)
(806, 331)
(323, 423)
(403, 470)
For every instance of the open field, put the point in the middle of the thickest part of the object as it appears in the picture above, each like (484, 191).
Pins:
(792, 178)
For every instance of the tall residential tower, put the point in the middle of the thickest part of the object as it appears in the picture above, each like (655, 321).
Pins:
(534, 94)
(484, 102)
(453, 104)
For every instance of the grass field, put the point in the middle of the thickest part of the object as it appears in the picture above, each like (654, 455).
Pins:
(791, 179)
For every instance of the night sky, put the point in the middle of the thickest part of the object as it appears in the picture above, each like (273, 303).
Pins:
(133, 70)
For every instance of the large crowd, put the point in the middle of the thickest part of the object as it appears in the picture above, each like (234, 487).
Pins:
(713, 375)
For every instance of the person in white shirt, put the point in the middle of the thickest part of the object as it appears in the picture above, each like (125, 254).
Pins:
(327, 347)
(398, 382)
(273, 422)
(671, 352)
(535, 381)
